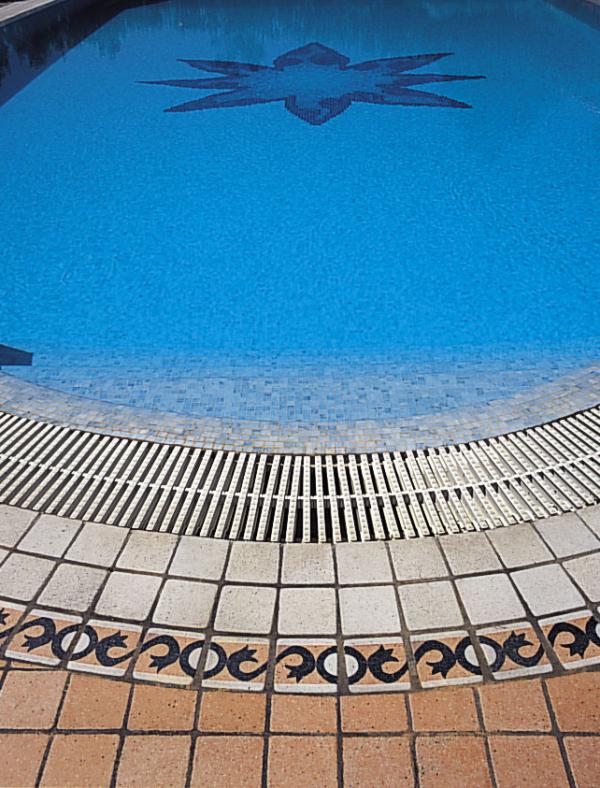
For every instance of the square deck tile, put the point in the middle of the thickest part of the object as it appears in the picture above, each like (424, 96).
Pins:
(21, 757)
(154, 760)
(591, 516)
(585, 571)
(246, 609)
(430, 605)
(417, 559)
(127, 595)
(147, 551)
(519, 545)
(308, 563)
(300, 761)
(80, 759)
(307, 611)
(231, 761)
(489, 598)
(567, 535)
(185, 603)
(200, 558)
(97, 544)
(253, 562)
(363, 562)
(22, 575)
(547, 589)
(50, 536)
(369, 610)
(469, 553)
(72, 587)
(13, 524)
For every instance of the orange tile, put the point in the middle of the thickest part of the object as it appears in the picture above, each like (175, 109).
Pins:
(228, 761)
(527, 760)
(300, 761)
(584, 757)
(154, 760)
(93, 702)
(576, 701)
(303, 714)
(80, 759)
(233, 712)
(377, 762)
(30, 698)
(20, 758)
(448, 709)
(376, 713)
(515, 706)
(162, 709)
(452, 762)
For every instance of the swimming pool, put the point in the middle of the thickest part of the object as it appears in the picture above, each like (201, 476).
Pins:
(338, 237)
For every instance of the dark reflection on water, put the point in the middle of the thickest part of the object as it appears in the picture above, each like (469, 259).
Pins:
(30, 45)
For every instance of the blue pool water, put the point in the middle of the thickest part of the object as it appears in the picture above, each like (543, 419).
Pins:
(351, 221)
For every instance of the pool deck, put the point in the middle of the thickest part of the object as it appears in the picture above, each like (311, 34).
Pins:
(130, 657)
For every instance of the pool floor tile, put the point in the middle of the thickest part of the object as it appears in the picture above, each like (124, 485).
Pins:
(80, 759)
(380, 762)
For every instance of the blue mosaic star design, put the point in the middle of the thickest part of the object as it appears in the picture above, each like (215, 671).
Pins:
(315, 83)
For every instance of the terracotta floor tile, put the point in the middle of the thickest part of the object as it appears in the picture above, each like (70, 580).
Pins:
(377, 713)
(526, 761)
(449, 709)
(584, 757)
(93, 702)
(303, 714)
(20, 758)
(162, 709)
(30, 699)
(233, 712)
(452, 762)
(154, 760)
(515, 706)
(228, 762)
(576, 701)
(377, 762)
(80, 759)
(301, 761)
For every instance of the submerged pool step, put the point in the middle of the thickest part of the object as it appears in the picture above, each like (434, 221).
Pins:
(511, 478)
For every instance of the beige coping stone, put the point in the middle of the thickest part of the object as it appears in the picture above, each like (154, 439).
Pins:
(417, 559)
(519, 545)
(72, 587)
(253, 562)
(430, 605)
(363, 562)
(307, 611)
(489, 598)
(469, 553)
(13, 524)
(199, 557)
(586, 573)
(185, 603)
(547, 589)
(3, 554)
(368, 610)
(97, 544)
(147, 551)
(591, 515)
(21, 576)
(127, 595)
(308, 564)
(50, 535)
(566, 535)
(246, 609)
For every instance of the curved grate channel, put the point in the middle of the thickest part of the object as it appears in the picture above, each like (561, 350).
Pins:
(179, 489)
